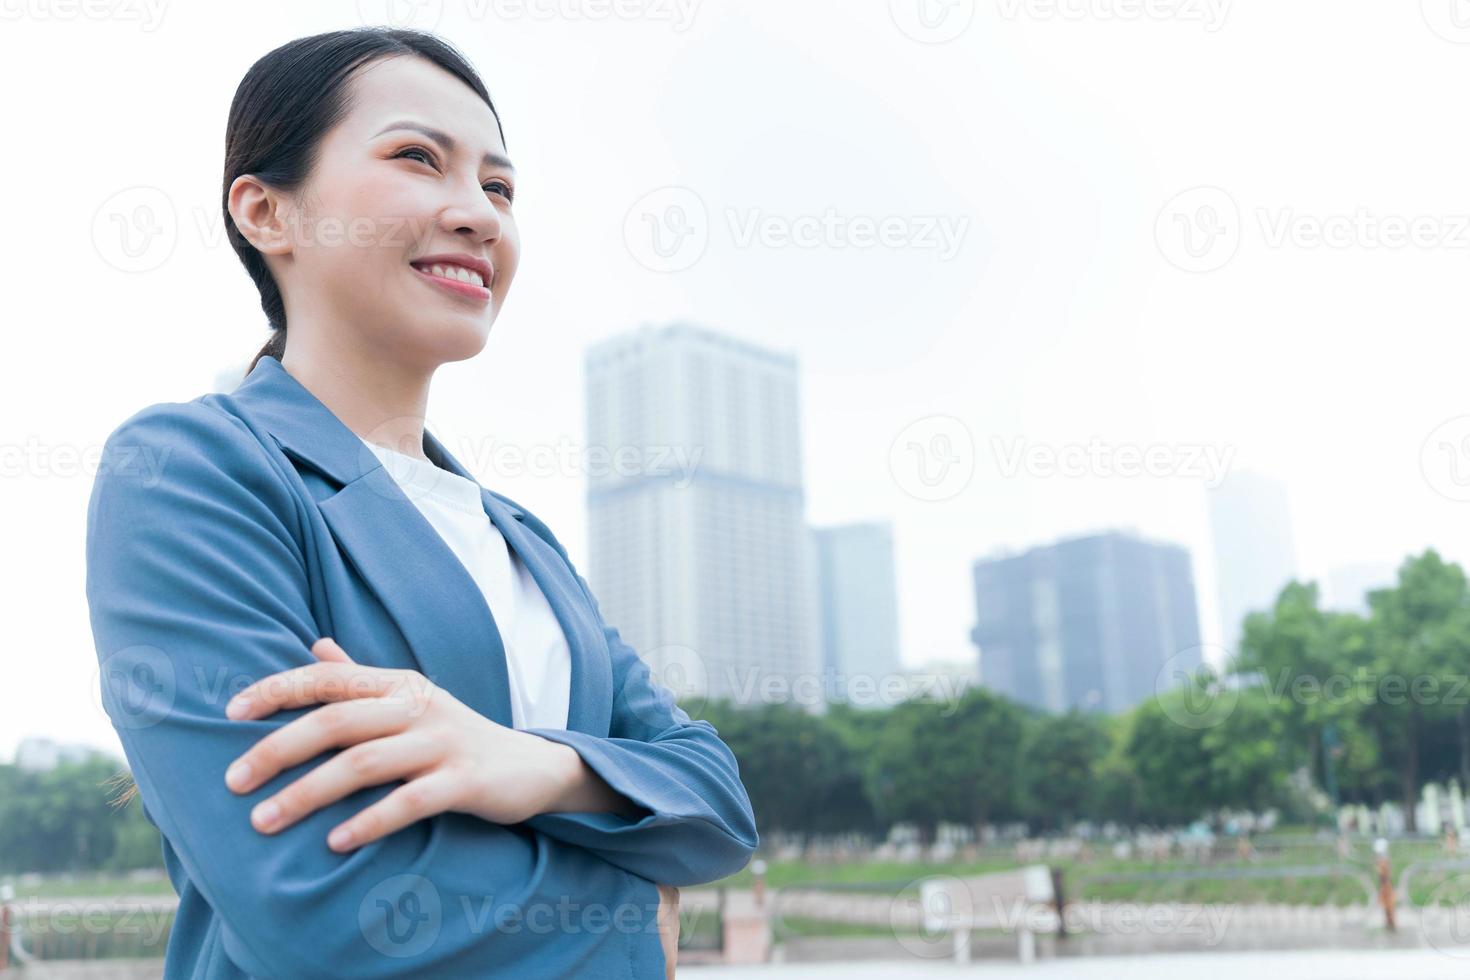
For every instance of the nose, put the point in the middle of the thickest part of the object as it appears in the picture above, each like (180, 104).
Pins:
(473, 214)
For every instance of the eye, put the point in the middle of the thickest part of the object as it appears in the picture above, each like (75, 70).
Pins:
(424, 154)
(505, 189)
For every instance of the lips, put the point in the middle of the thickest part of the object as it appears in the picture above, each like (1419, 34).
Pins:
(463, 260)
(466, 290)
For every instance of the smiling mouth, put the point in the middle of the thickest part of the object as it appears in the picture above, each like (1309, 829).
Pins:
(460, 282)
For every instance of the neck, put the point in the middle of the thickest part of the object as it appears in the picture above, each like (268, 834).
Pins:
(378, 398)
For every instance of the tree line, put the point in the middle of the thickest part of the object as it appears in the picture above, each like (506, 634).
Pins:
(1317, 706)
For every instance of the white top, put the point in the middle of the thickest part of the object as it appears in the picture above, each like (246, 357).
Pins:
(536, 655)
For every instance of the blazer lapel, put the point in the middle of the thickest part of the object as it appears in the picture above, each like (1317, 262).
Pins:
(430, 595)
(589, 708)
(437, 605)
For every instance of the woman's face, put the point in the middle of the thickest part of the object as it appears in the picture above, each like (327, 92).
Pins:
(415, 170)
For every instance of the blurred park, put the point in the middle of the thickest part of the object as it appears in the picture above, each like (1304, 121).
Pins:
(1235, 809)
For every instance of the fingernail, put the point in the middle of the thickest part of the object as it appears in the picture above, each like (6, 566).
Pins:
(238, 775)
(267, 813)
(238, 707)
(339, 838)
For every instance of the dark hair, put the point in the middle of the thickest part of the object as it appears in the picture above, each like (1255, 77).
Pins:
(286, 103)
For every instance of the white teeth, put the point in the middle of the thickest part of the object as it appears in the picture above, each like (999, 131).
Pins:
(457, 272)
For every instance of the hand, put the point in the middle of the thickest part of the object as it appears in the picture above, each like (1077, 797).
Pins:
(394, 724)
(668, 927)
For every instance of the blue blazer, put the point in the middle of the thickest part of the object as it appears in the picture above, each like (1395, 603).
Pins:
(227, 534)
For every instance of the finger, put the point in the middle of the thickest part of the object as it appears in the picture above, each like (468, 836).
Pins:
(328, 649)
(333, 725)
(317, 683)
(433, 793)
(370, 763)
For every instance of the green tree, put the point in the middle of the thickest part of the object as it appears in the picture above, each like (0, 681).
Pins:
(1060, 759)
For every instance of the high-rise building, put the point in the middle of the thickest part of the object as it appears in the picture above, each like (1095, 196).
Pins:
(698, 547)
(857, 599)
(1250, 522)
(1090, 622)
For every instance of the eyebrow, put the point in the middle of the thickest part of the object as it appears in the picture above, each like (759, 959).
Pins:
(490, 159)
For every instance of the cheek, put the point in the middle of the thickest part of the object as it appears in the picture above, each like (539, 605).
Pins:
(506, 255)
(386, 217)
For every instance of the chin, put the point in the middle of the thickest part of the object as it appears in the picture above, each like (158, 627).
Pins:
(461, 344)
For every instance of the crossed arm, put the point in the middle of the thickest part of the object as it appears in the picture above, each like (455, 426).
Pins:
(198, 582)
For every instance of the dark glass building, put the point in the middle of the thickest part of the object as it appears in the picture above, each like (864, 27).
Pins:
(1089, 622)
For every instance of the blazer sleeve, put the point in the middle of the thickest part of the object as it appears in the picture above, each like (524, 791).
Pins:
(197, 585)
(700, 825)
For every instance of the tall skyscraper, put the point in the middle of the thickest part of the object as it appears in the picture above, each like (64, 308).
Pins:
(857, 599)
(1250, 522)
(1088, 622)
(698, 548)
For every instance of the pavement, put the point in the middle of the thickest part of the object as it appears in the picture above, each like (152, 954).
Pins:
(1410, 964)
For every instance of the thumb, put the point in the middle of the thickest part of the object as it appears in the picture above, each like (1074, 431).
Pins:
(327, 649)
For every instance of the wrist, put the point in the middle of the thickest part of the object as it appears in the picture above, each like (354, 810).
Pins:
(567, 774)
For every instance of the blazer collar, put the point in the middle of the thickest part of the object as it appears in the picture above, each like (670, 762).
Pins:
(433, 599)
(310, 431)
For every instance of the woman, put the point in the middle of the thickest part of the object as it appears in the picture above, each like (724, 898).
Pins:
(380, 736)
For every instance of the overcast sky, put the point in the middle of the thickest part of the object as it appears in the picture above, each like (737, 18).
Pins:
(1220, 235)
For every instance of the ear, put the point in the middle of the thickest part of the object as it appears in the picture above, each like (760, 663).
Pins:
(260, 213)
